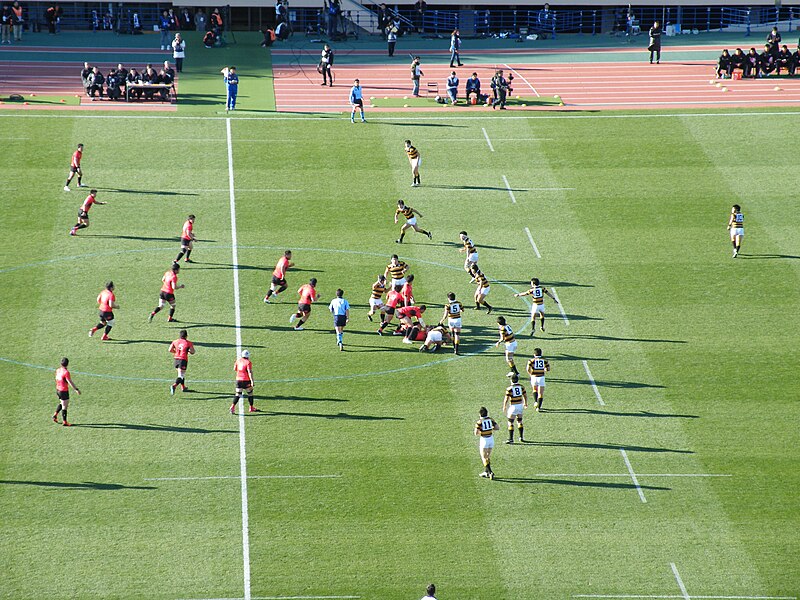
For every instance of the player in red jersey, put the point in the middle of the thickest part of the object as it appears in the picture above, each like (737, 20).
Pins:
(75, 167)
(107, 302)
(63, 383)
(181, 348)
(308, 294)
(83, 212)
(279, 276)
(393, 298)
(169, 283)
(411, 319)
(407, 291)
(244, 381)
(187, 239)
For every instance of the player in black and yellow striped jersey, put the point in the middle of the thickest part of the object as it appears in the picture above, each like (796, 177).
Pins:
(411, 220)
(452, 312)
(514, 401)
(482, 290)
(537, 367)
(537, 294)
(736, 227)
(376, 297)
(485, 428)
(416, 160)
(508, 339)
(396, 271)
(471, 252)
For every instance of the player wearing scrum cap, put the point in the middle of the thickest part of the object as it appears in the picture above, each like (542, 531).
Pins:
(244, 381)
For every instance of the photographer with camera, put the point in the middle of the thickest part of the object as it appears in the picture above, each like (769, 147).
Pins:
(500, 87)
(178, 51)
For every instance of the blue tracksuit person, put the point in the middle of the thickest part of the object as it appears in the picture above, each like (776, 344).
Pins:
(452, 87)
(231, 80)
(356, 102)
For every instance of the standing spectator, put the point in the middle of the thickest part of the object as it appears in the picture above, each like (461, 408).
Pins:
(544, 19)
(178, 51)
(383, 19)
(416, 73)
(50, 17)
(231, 80)
(420, 6)
(455, 46)
(200, 20)
(774, 41)
(16, 21)
(500, 86)
(391, 39)
(163, 27)
(216, 22)
(174, 23)
(325, 64)
(655, 42)
(452, 87)
(340, 309)
(5, 24)
(474, 87)
(356, 102)
(186, 20)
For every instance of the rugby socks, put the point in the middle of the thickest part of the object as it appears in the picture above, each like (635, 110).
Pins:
(339, 337)
(511, 430)
(542, 323)
(512, 366)
(539, 402)
(171, 313)
(235, 401)
(188, 254)
(108, 329)
(180, 255)
(58, 410)
(250, 399)
(402, 235)
(352, 116)
(487, 305)
(521, 430)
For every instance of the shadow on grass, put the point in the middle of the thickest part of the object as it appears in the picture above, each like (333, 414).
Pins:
(151, 427)
(85, 485)
(336, 416)
(634, 385)
(608, 446)
(611, 338)
(138, 238)
(476, 187)
(394, 124)
(767, 256)
(574, 483)
(552, 283)
(146, 192)
(575, 357)
(610, 413)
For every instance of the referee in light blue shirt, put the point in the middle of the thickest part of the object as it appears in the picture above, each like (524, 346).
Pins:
(340, 308)
(356, 102)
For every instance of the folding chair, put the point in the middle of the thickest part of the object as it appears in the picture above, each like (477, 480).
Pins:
(433, 88)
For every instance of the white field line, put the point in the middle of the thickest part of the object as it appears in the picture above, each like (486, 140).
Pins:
(238, 322)
(628, 475)
(680, 581)
(633, 475)
(521, 76)
(533, 244)
(405, 118)
(594, 385)
(488, 141)
(560, 306)
(239, 477)
(510, 191)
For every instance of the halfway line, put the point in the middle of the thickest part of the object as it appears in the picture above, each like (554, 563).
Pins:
(635, 481)
(530, 239)
(594, 385)
(560, 307)
(510, 191)
(238, 323)
(680, 581)
(488, 141)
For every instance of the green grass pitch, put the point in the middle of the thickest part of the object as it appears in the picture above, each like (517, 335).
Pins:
(694, 356)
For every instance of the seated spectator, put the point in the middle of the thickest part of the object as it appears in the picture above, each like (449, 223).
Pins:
(96, 81)
(739, 61)
(166, 79)
(149, 76)
(134, 78)
(768, 61)
(752, 64)
(113, 90)
(123, 77)
(784, 60)
(795, 61)
(209, 39)
(474, 87)
(282, 31)
(724, 64)
(169, 70)
(452, 87)
(86, 74)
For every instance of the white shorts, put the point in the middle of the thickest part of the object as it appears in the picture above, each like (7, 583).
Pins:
(737, 231)
(537, 381)
(454, 323)
(416, 162)
(473, 258)
(375, 302)
(514, 410)
(511, 346)
(411, 221)
(487, 442)
(401, 282)
(483, 291)
(434, 337)
(537, 309)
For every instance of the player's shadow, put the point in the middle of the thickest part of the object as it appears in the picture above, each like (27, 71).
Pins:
(124, 342)
(490, 188)
(616, 447)
(642, 414)
(633, 385)
(151, 427)
(579, 483)
(563, 356)
(85, 485)
(305, 399)
(611, 338)
(227, 266)
(479, 247)
(553, 283)
(415, 124)
(138, 238)
(210, 395)
(146, 192)
(332, 416)
(767, 256)
(368, 348)
(200, 324)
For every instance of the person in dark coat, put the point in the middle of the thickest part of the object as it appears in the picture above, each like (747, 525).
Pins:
(739, 61)
(784, 60)
(724, 64)
(655, 42)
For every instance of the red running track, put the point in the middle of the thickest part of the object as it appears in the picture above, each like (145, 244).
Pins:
(581, 86)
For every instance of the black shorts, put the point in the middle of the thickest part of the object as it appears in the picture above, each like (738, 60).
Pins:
(106, 316)
(74, 169)
(303, 308)
(243, 385)
(339, 320)
(278, 281)
(82, 214)
(62, 395)
(389, 310)
(181, 363)
(169, 297)
(359, 103)
(185, 243)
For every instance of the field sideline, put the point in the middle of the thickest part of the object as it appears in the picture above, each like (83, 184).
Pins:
(663, 465)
